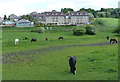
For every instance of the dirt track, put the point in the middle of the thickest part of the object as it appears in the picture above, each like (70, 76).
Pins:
(6, 58)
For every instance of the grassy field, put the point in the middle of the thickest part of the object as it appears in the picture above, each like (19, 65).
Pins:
(48, 60)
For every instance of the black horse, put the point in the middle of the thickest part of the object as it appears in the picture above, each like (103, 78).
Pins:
(113, 41)
(60, 38)
(72, 63)
(33, 40)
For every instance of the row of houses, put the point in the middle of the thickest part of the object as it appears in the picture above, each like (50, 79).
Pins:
(50, 18)
(60, 18)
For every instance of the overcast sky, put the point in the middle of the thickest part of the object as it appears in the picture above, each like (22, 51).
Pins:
(20, 7)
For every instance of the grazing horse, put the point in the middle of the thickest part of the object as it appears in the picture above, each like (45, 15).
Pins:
(107, 37)
(25, 38)
(16, 41)
(46, 39)
(72, 63)
(60, 38)
(33, 40)
(113, 41)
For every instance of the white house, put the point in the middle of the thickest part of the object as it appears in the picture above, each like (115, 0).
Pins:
(24, 23)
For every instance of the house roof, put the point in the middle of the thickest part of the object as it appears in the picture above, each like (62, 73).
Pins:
(65, 14)
(23, 20)
(54, 13)
(78, 13)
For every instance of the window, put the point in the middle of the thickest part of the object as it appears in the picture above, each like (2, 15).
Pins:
(86, 14)
(66, 16)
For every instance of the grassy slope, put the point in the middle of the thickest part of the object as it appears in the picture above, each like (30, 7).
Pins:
(109, 24)
(54, 65)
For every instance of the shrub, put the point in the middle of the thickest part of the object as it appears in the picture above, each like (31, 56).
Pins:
(90, 29)
(78, 31)
(49, 25)
(41, 30)
(34, 30)
(38, 25)
(99, 22)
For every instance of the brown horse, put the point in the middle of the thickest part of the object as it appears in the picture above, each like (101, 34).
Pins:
(46, 39)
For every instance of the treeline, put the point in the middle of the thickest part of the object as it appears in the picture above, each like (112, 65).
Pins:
(103, 12)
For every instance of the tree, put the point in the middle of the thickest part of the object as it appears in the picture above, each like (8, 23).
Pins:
(66, 10)
(54, 11)
(78, 31)
(82, 9)
(102, 9)
(99, 21)
(91, 16)
(5, 17)
(108, 14)
(90, 29)
(95, 15)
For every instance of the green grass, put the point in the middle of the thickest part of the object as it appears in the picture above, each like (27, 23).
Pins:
(54, 65)
(9, 46)
(93, 62)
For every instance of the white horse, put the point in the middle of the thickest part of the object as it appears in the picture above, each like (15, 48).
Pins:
(16, 41)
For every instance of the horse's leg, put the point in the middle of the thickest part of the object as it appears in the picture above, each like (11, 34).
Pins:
(110, 41)
(72, 70)
(113, 42)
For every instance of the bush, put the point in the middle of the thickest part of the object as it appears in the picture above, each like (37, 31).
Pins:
(78, 31)
(99, 22)
(90, 29)
(39, 30)
(49, 25)
(34, 30)
(38, 25)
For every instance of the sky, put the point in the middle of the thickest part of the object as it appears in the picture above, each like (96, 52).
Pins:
(23, 7)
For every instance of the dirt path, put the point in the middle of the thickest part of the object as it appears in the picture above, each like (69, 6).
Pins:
(6, 58)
